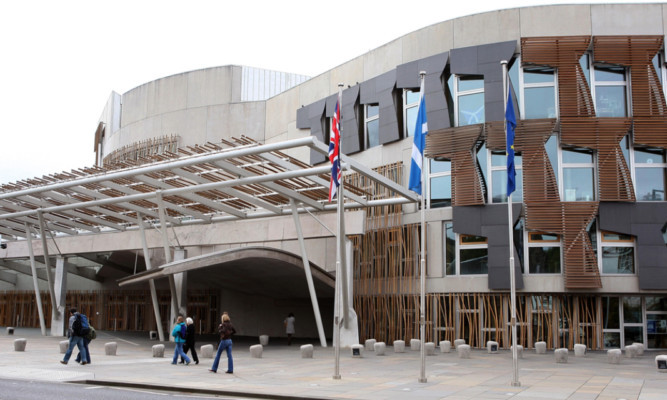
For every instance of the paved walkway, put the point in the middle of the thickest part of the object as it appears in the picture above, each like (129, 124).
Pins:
(282, 372)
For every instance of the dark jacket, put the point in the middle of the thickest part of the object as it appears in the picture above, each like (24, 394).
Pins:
(226, 330)
(190, 337)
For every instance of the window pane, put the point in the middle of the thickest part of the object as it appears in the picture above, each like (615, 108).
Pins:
(551, 146)
(633, 334)
(656, 331)
(650, 156)
(450, 249)
(650, 183)
(544, 260)
(472, 239)
(578, 184)
(411, 96)
(540, 103)
(632, 310)
(610, 101)
(612, 340)
(474, 261)
(372, 110)
(373, 133)
(610, 236)
(656, 65)
(618, 260)
(538, 76)
(440, 166)
(611, 317)
(441, 191)
(470, 83)
(411, 120)
(577, 156)
(537, 237)
(614, 74)
(656, 303)
(499, 190)
(500, 160)
(471, 109)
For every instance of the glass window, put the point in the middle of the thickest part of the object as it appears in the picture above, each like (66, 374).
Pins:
(618, 260)
(610, 313)
(499, 178)
(578, 171)
(474, 261)
(632, 310)
(539, 93)
(656, 322)
(650, 174)
(469, 95)
(372, 124)
(656, 303)
(543, 253)
(450, 249)
(410, 108)
(440, 181)
(609, 89)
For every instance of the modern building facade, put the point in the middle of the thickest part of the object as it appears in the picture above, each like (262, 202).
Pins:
(589, 214)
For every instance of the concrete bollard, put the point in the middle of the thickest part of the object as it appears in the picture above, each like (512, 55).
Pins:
(110, 348)
(206, 351)
(630, 351)
(429, 348)
(64, 345)
(415, 344)
(264, 340)
(639, 347)
(10, 330)
(579, 350)
(463, 350)
(19, 344)
(614, 356)
(152, 335)
(458, 342)
(357, 350)
(399, 346)
(561, 355)
(379, 348)
(307, 351)
(158, 350)
(541, 347)
(519, 350)
(445, 346)
(661, 362)
(491, 347)
(256, 351)
(370, 344)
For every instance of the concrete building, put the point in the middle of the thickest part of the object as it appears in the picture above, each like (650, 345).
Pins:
(232, 161)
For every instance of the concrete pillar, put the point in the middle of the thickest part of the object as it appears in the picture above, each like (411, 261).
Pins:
(181, 281)
(60, 320)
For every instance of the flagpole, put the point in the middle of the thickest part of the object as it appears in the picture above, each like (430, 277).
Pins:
(422, 262)
(515, 359)
(340, 274)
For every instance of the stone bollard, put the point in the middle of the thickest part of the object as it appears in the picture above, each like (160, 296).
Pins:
(152, 335)
(399, 346)
(307, 351)
(661, 362)
(614, 356)
(429, 348)
(64, 345)
(491, 347)
(10, 330)
(640, 348)
(158, 350)
(357, 350)
(264, 340)
(415, 344)
(379, 348)
(458, 342)
(561, 355)
(445, 346)
(370, 344)
(519, 350)
(463, 350)
(19, 344)
(579, 350)
(630, 351)
(541, 347)
(110, 348)
(206, 351)
(256, 351)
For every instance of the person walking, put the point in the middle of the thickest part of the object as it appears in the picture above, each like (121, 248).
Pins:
(75, 338)
(289, 328)
(226, 330)
(179, 338)
(190, 341)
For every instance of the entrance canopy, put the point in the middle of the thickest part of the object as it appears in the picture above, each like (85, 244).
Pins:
(206, 184)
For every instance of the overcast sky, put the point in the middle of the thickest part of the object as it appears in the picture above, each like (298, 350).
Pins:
(61, 59)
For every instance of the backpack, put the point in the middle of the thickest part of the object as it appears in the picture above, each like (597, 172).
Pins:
(184, 331)
(91, 334)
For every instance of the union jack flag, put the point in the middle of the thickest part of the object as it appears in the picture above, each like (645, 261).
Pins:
(334, 153)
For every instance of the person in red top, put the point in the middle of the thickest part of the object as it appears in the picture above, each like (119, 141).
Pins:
(226, 330)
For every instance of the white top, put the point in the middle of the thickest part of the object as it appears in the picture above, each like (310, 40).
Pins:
(289, 325)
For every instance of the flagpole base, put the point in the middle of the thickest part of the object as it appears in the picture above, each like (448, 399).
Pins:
(516, 384)
(423, 380)
(336, 376)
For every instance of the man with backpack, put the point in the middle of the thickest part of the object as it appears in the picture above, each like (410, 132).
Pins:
(76, 333)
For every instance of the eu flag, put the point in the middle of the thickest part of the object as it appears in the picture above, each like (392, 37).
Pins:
(510, 120)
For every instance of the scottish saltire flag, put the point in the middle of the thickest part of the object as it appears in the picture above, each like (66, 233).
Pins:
(334, 153)
(418, 145)
(510, 120)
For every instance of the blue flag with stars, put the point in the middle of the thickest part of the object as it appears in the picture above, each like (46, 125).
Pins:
(510, 120)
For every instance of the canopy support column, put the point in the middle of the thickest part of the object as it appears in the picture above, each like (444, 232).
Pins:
(33, 268)
(56, 314)
(167, 257)
(151, 282)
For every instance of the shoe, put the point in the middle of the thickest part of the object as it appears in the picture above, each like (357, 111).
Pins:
(229, 372)
(83, 363)
(173, 363)
(197, 362)
(187, 363)
(210, 370)
(63, 362)
(181, 362)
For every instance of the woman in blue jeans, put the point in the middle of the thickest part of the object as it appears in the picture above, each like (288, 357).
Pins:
(179, 340)
(226, 330)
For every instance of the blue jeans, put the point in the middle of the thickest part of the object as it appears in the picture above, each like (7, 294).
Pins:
(78, 342)
(86, 341)
(178, 351)
(225, 344)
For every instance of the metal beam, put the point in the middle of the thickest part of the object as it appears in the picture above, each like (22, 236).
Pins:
(8, 277)
(23, 269)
